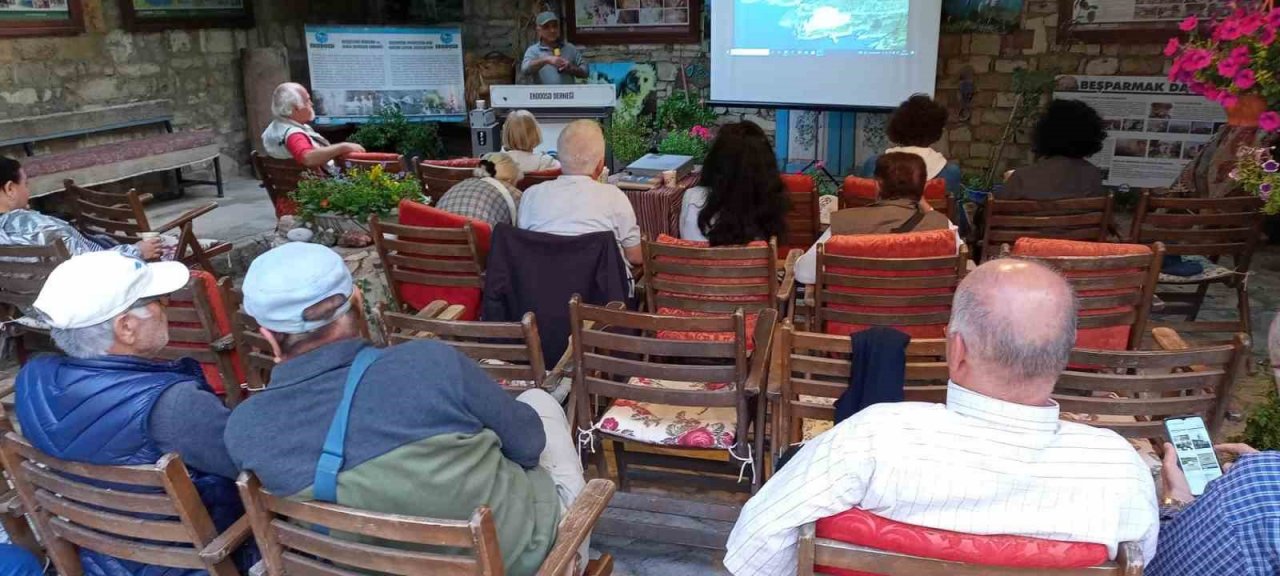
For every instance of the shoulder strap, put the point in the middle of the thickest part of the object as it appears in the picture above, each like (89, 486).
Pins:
(332, 457)
(506, 195)
(911, 223)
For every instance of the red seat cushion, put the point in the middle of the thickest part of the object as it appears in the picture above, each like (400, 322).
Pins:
(419, 295)
(1104, 338)
(798, 183)
(931, 244)
(454, 163)
(863, 528)
(373, 156)
(710, 336)
(868, 189)
(222, 325)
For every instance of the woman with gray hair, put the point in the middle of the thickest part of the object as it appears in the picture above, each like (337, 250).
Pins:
(289, 136)
(491, 196)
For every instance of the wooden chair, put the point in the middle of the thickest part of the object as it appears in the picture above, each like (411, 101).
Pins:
(156, 503)
(391, 543)
(199, 324)
(688, 278)
(856, 559)
(252, 349)
(390, 163)
(628, 361)
(534, 178)
(13, 518)
(1077, 219)
(439, 262)
(856, 191)
(438, 176)
(1210, 228)
(23, 271)
(280, 178)
(804, 216)
(123, 218)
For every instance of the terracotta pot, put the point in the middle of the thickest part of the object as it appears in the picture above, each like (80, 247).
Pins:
(1246, 111)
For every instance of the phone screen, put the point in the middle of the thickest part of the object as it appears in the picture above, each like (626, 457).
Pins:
(1195, 451)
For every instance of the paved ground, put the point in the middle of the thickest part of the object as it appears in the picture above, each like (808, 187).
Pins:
(244, 211)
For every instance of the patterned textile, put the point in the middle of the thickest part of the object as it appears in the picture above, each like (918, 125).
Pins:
(866, 529)
(1210, 273)
(1234, 528)
(116, 152)
(930, 244)
(477, 199)
(658, 209)
(662, 424)
(709, 336)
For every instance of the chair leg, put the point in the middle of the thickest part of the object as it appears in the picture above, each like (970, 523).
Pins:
(1242, 305)
(20, 533)
(620, 457)
(217, 173)
(181, 189)
(1195, 306)
(602, 460)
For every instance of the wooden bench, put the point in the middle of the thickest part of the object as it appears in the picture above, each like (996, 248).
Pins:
(104, 163)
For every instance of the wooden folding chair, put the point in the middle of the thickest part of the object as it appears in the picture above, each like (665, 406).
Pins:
(151, 514)
(279, 178)
(23, 271)
(434, 258)
(252, 349)
(198, 326)
(686, 280)
(438, 176)
(390, 163)
(13, 518)
(123, 218)
(856, 191)
(1077, 219)
(398, 544)
(531, 179)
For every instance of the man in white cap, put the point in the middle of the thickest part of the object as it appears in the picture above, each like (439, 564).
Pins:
(552, 60)
(107, 401)
(415, 429)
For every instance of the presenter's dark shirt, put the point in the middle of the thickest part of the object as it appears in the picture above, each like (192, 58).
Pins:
(548, 74)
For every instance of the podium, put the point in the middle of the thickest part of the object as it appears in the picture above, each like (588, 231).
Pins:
(557, 106)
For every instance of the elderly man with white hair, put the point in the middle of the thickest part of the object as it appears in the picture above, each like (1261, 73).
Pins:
(577, 202)
(995, 459)
(289, 136)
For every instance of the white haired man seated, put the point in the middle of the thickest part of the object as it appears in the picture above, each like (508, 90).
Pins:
(995, 459)
(577, 202)
(289, 136)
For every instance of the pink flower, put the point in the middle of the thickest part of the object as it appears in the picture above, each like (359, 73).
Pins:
(700, 132)
(1251, 23)
(1196, 59)
(697, 438)
(1228, 30)
(1189, 24)
(1245, 79)
(1228, 99)
(1228, 67)
(1269, 121)
(1212, 93)
(1172, 47)
(1267, 36)
(609, 424)
(1273, 19)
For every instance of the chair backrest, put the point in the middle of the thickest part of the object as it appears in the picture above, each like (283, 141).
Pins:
(387, 543)
(279, 178)
(198, 321)
(120, 216)
(815, 371)
(256, 359)
(390, 163)
(511, 352)
(424, 264)
(803, 218)
(903, 281)
(1074, 219)
(109, 509)
(24, 269)
(535, 178)
(1210, 227)
(1114, 284)
(683, 276)
(438, 176)
(856, 191)
(1132, 392)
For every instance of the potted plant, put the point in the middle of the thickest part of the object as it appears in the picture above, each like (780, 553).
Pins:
(629, 138)
(1258, 173)
(695, 141)
(391, 131)
(683, 110)
(1235, 65)
(344, 203)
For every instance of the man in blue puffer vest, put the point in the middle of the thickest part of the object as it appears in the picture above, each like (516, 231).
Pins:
(106, 402)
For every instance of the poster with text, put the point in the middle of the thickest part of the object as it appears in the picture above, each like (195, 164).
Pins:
(34, 10)
(357, 71)
(1129, 11)
(1154, 126)
(186, 8)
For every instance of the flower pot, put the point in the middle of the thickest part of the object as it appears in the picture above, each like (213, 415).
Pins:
(1246, 111)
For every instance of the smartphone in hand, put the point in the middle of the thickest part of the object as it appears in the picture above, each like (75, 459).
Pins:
(1195, 451)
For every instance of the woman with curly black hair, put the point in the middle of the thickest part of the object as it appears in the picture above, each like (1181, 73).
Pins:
(1067, 133)
(914, 127)
(740, 197)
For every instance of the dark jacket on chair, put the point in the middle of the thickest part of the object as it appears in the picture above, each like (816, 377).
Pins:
(533, 271)
(878, 371)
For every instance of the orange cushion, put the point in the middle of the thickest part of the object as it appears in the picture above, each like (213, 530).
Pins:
(419, 295)
(373, 156)
(222, 325)
(869, 189)
(863, 528)
(801, 183)
(669, 311)
(931, 244)
(454, 163)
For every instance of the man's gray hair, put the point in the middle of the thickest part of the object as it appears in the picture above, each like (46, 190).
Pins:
(580, 147)
(286, 99)
(91, 341)
(1030, 346)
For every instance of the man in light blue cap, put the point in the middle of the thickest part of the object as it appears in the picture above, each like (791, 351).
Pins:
(415, 429)
(552, 60)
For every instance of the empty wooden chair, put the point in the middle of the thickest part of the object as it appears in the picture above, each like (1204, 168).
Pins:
(123, 218)
(150, 514)
(438, 176)
(279, 178)
(1077, 219)
(510, 352)
(256, 359)
(198, 325)
(1209, 228)
(390, 163)
(23, 271)
(399, 544)
(678, 394)
(424, 264)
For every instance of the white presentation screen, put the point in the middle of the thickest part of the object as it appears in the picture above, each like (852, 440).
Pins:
(855, 53)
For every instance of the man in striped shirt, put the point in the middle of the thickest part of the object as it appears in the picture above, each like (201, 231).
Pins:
(994, 460)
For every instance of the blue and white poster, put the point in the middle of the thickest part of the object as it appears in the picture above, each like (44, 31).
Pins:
(356, 71)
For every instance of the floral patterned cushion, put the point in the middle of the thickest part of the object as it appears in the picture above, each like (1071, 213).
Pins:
(929, 244)
(1211, 272)
(663, 424)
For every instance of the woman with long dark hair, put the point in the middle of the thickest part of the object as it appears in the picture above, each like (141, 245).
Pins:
(740, 197)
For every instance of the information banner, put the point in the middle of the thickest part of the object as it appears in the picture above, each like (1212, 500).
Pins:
(356, 71)
(195, 8)
(1154, 126)
(1133, 11)
(34, 10)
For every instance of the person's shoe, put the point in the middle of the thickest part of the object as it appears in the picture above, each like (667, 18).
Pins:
(1176, 266)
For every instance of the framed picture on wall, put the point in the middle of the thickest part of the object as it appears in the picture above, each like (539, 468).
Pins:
(1132, 21)
(159, 15)
(633, 21)
(40, 18)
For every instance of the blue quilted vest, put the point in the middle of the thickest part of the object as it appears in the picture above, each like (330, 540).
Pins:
(98, 411)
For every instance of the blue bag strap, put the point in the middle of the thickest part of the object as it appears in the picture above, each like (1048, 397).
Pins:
(331, 458)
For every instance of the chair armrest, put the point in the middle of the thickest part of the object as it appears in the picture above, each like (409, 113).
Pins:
(758, 370)
(1169, 339)
(186, 217)
(453, 312)
(227, 542)
(1129, 558)
(146, 197)
(575, 526)
(787, 288)
(224, 344)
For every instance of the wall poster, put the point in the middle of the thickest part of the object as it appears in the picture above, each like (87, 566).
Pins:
(40, 18)
(159, 15)
(1133, 21)
(633, 21)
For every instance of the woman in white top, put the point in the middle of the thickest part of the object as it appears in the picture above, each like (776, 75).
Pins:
(740, 197)
(520, 135)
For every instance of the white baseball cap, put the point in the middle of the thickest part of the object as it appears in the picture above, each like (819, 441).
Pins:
(92, 288)
(284, 281)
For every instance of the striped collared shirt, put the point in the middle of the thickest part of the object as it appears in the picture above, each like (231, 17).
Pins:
(977, 465)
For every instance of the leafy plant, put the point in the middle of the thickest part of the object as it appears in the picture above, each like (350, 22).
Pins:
(826, 184)
(391, 131)
(695, 141)
(1259, 174)
(683, 110)
(358, 193)
(629, 138)
(1262, 428)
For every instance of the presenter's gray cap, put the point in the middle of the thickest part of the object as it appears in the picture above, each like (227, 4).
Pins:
(546, 17)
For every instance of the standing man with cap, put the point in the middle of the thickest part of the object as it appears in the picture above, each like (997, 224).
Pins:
(107, 402)
(551, 60)
(415, 429)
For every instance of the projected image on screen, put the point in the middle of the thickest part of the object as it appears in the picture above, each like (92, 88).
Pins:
(819, 26)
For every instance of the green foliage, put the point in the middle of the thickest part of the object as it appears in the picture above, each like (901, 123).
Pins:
(825, 183)
(1262, 429)
(686, 143)
(629, 138)
(682, 111)
(390, 131)
(359, 193)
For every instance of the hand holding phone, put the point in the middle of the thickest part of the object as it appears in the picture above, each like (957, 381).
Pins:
(1194, 450)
